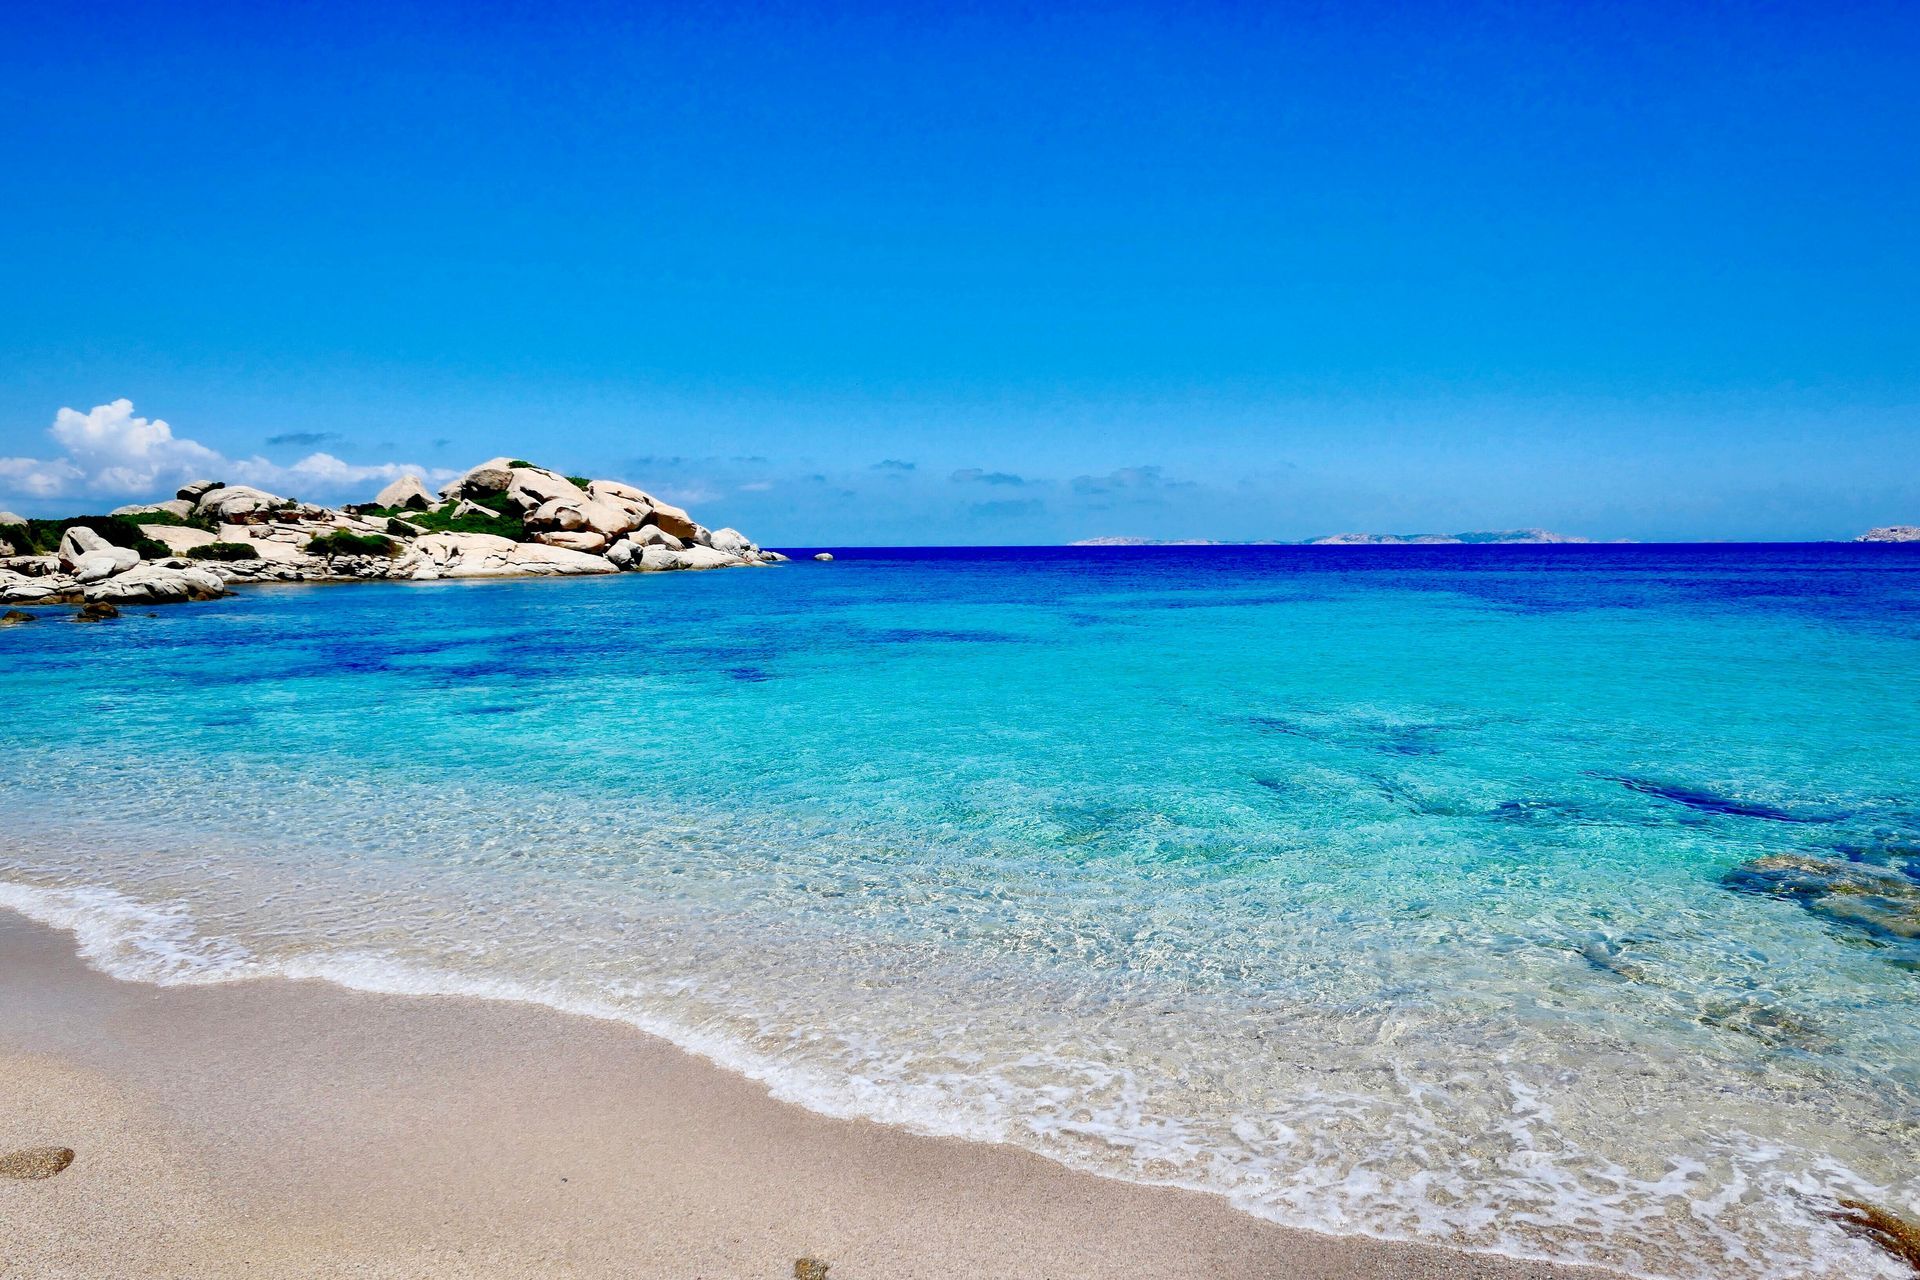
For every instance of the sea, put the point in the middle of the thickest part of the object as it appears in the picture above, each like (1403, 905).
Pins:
(1555, 901)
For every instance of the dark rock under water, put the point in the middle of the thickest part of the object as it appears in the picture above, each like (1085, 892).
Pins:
(1704, 801)
(1874, 901)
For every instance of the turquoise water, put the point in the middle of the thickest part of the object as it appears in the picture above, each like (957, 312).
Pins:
(1404, 892)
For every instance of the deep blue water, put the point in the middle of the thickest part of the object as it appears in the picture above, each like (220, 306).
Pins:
(1557, 900)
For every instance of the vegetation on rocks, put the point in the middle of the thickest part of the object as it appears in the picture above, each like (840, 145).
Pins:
(341, 542)
(505, 523)
(223, 551)
(195, 521)
(42, 537)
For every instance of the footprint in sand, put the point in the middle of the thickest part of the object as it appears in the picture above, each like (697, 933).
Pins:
(35, 1163)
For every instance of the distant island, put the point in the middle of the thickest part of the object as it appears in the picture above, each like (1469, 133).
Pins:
(503, 518)
(1353, 540)
(1891, 533)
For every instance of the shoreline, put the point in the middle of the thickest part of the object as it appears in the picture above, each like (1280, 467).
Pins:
(300, 1128)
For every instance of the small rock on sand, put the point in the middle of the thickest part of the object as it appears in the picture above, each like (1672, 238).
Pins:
(35, 1163)
(809, 1269)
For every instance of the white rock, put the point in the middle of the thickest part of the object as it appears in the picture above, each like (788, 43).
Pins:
(674, 521)
(622, 553)
(7, 517)
(731, 541)
(79, 542)
(661, 559)
(104, 564)
(529, 487)
(173, 507)
(157, 584)
(466, 508)
(194, 490)
(486, 555)
(17, 588)
(491, 476)
(709, 558)
(654, 536)
(614, 491)
(239, 500)
(407, 491)
(573, 539)
(268, 543)
(824, 556)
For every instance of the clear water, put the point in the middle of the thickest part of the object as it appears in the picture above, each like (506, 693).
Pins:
(1378, 890)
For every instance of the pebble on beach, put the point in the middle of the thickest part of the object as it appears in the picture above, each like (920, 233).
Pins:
(33, 1164)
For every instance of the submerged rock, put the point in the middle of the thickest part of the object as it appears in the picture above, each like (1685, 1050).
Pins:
(14, 617)
(1873, 900)
(96, 612)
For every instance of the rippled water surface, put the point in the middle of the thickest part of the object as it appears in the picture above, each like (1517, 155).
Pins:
(1559, 901)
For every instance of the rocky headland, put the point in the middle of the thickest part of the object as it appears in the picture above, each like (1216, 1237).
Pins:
(503, 518)
(1891, 533)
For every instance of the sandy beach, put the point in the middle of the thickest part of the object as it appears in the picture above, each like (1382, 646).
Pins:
(294, 1129)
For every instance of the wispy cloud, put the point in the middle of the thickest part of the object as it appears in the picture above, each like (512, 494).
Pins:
(974, 475)
(302, 439)
(892, 464)
(111, 451)
(1128, 479)
(1006, 508)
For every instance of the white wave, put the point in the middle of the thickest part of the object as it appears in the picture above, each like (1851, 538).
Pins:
(1298, 1171)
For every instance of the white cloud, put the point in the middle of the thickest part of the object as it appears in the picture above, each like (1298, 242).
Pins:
(35, 478)
(109, 451)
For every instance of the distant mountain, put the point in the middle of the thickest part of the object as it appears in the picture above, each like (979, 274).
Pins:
(1442, 539)
(1152, 542)
(1366, 539)
(1891, 533)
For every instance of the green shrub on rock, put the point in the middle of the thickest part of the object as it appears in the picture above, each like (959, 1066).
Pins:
(223, 551)
(343, 542)
(195, 521)
(41, 537)
(505, 522)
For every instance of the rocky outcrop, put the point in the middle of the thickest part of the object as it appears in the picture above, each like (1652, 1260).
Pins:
(406, 492)
(485, 555)
(240, 503)
(179, 508)
(158, 582)
(1891, 533)
(548, 525)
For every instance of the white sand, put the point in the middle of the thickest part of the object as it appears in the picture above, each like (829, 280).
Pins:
(292, 1129)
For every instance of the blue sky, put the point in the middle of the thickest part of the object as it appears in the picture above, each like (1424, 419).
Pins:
(854, 274)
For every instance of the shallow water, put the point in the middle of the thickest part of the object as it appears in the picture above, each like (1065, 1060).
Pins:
(1391, 891)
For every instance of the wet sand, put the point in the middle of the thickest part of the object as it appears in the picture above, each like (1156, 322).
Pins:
(295, 1129)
